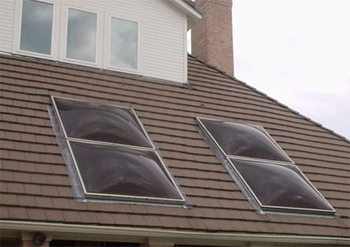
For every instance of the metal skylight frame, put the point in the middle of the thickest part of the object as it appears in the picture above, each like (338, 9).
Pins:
(137, 199)
(244, 186)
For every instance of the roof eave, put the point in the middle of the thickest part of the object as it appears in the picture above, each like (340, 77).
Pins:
(192, 236)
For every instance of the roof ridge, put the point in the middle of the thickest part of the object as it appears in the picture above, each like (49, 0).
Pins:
(270, 98)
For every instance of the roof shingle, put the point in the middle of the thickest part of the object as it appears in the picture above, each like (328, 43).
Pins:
(34, 180)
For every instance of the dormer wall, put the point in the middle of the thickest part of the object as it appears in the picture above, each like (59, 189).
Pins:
(159, 27)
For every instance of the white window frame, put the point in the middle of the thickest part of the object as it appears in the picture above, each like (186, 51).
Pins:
(64, 36)
(107, 53)
(60, 35)
(18, 31)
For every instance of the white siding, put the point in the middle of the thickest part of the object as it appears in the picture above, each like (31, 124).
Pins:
(7, 17)
(162, 32)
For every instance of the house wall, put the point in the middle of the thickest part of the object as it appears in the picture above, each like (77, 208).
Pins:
(163, 28)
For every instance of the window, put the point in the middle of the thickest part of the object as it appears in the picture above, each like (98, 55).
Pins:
(262, 169)
(124, 44)
(36, 27)
(112, 153)
(89, 36)
(81, 35)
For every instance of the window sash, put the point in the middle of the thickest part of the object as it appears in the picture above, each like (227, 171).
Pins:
(113, 59)
(70, 44)
(39, 33)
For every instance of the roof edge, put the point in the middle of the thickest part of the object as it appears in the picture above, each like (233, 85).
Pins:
(270, 98)
(60, 228)
(187, 7)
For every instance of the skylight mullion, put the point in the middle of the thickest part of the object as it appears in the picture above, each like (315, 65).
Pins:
(109, 144)
(285, 163)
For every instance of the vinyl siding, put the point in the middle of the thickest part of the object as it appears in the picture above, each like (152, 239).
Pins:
(7, 17)
(162, 32)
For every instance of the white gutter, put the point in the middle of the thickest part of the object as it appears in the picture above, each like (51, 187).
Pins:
(192, 236)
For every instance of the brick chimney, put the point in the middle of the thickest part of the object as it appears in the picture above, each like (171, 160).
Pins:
(212, 36)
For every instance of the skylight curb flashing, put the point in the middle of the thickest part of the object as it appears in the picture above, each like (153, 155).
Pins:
(220, 155)
(81, 191)
(229, 160)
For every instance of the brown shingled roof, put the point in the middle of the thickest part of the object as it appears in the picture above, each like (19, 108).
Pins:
(34, 181)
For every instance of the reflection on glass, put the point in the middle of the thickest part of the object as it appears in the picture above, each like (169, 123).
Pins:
(104, 123)
(36, 27)
(278, 185)
(124, 43)
(244, 140)
(81, 35)
(122, 171)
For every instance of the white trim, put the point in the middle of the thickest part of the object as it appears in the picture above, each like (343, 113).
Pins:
(185, 8)
(214, 238)
(107, 53)
(65, 35)
(185, 68)
(18, 30)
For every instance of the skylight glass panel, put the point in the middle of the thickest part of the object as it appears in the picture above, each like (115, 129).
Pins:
(112, 154)
(279, 185)
(122, 171)
(243, 140)
(264, 172)
(104, 123)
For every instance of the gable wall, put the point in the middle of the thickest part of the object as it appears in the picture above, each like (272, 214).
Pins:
(163, 28)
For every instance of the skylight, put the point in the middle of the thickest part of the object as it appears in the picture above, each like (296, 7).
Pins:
(266, 175)
(112, 153)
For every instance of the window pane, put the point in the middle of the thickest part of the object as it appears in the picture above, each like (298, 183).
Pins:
(81, 35)
(244, 140)
(124, 43)
(36, 27)
(104, 123)
(122, 171)
(278, 185)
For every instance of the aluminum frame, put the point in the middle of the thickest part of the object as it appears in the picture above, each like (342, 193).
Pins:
(89, 195)
(266, 208)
